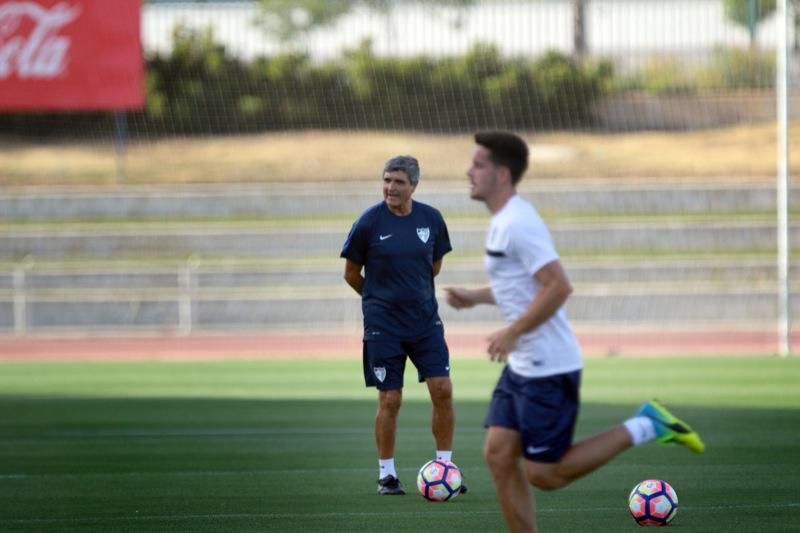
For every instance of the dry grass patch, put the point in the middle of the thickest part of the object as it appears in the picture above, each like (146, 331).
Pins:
(747, 152)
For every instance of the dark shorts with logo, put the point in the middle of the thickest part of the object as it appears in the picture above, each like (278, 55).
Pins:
(385, 360)
(543, 411)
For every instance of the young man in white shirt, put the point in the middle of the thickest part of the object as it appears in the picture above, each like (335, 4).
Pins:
(534, 406)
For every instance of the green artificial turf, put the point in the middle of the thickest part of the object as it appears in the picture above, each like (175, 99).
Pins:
(288, 446)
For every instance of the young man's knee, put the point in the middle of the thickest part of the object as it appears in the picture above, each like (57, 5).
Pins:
(546, 480)
(499, 459)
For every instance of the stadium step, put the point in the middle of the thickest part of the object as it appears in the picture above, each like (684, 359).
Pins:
(663, 253)
(324, 199)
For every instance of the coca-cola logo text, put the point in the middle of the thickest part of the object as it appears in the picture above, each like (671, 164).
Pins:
(38, 53)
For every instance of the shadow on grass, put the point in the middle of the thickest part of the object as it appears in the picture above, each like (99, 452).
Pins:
(73, 464)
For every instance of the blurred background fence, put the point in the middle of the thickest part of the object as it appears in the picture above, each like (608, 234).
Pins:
(105, 228)
(443, 66)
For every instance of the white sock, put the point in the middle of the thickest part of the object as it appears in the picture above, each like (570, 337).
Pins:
(444, 455)
(386, 468)
(641, 429)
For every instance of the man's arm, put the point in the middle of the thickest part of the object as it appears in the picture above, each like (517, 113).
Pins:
(352, 275)
(437, 267)
(554, 289)
(461, 298)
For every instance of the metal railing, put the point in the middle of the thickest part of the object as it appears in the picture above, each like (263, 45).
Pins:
(185, 297)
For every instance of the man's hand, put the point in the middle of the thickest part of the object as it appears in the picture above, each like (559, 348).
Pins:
(459, 298)
(501, 343)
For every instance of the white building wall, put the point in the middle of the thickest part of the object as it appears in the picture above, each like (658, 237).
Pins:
(614, 28)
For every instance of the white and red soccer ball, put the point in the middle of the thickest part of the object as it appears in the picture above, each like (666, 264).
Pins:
(653, 502)
(439, 480)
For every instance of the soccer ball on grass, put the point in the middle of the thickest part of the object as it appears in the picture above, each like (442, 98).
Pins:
(439, 480)
(653, 502)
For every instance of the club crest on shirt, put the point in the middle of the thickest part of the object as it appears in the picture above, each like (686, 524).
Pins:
(380, 373)
(423, 234)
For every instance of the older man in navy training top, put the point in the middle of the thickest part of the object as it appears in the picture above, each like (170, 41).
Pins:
(399, 244)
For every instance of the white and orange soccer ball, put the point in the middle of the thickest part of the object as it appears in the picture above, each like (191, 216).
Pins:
(653, 502)
(439, 480)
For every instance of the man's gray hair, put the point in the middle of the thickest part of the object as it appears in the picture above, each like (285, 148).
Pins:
(404, 163)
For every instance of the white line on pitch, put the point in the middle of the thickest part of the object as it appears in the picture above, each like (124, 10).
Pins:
(305, 515)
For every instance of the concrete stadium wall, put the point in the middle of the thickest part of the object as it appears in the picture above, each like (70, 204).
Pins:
(214, 275)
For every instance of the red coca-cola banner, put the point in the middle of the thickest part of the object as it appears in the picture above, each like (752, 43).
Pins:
(70, 55)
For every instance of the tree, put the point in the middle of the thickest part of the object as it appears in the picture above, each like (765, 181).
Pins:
(579, 28)
(749, 13)
(291, 19)
(287, 19)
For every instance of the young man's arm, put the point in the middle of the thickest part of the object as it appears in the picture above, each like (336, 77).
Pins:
(554, 289)
(461, 298)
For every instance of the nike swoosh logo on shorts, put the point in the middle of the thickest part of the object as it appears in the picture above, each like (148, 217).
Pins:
(384, 237)
(537, 449)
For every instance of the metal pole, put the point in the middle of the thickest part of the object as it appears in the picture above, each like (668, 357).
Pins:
(187, 281)
(121, 142)
(20, 300)
(782, 185)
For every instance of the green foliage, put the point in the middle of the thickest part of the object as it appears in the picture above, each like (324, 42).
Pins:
(199, 89)
(748, 12)
(667, 75)
(728, 69)
(179, 96)
(288, 18)
(739, 69)
(565, 89)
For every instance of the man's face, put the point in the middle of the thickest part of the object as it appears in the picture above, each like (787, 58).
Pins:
(397, 189)
(482, 174)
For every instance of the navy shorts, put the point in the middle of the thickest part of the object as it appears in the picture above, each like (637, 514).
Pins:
(543, 411)
(385, 361)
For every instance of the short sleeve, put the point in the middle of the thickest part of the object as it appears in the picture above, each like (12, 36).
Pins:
(355, 246)
(442, 244)
(533, 245)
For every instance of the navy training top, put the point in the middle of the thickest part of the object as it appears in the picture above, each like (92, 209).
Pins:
(398, 299)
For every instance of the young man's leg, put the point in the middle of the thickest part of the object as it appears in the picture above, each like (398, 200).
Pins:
(652, 422)
(503, 452)
(581, 459)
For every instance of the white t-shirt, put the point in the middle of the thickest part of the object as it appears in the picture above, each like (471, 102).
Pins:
(517, 246)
